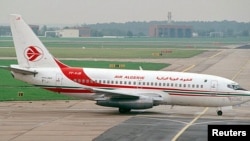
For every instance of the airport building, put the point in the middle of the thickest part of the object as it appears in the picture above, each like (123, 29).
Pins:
(68, 33)
(75, 32)
(170, 31)
(84, 32)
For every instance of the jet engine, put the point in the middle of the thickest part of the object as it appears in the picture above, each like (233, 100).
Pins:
(141, 103)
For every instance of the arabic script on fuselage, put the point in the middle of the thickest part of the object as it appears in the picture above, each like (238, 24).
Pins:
(173, 78)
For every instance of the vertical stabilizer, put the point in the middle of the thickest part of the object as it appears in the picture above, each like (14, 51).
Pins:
(30, 51)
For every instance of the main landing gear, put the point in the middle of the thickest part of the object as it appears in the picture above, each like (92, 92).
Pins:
(124, 110)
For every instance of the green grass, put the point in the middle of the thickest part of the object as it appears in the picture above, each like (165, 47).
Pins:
(143, 42)
(121, 53)
(10, 87)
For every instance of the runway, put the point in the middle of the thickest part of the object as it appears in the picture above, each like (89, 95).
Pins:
(85, 121)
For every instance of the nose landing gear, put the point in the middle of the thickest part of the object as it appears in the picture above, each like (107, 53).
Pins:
(219, 111)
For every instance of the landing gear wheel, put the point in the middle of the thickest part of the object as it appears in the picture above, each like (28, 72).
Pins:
(124, 110)
(219, 113)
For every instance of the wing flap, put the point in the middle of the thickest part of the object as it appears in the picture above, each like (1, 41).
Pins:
(125, 94)
(114, 93)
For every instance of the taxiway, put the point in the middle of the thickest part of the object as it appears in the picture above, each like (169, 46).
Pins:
(84, 121)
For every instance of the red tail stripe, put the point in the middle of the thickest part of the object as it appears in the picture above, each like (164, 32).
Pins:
(61, 65)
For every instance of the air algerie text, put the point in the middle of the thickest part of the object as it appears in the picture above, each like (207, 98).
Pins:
(130, 77)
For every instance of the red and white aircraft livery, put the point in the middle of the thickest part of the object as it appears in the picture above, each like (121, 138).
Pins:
(124, 89)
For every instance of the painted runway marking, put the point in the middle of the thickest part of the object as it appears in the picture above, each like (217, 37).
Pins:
(189, 68)
(240, 70)
(189, 124)
(215, 55)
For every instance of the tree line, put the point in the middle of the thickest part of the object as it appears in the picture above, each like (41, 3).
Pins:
(140, 29)
(202, 28)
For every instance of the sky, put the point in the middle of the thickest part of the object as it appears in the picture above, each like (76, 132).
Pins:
(121, 11)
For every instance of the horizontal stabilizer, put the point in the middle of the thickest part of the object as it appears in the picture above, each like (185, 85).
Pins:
(16, 69)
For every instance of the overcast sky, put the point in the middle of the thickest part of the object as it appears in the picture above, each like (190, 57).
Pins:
(102, 11)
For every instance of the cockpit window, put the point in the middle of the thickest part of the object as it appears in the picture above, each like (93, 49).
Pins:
(235, 87)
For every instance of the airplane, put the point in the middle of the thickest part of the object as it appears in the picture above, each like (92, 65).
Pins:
(119, 88)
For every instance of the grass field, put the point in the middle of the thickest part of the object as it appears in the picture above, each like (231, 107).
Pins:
(10, 87)
(143, 42)
(122, 53)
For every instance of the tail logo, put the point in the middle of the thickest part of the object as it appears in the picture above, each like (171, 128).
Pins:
(33, 53)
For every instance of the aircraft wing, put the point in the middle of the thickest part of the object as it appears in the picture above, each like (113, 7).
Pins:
(124, 94)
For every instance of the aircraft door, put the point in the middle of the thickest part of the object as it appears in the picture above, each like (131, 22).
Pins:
(214, 87)
(59, 79)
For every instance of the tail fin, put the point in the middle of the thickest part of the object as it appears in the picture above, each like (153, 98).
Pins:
(30, 51)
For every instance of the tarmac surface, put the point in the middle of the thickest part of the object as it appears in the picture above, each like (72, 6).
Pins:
(80, 120)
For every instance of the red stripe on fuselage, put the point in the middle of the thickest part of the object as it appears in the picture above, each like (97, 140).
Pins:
(78, 75)
(66, 90)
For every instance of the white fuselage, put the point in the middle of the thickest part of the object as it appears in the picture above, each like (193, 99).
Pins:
(176, 88)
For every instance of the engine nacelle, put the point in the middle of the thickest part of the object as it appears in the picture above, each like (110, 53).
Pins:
(142, 103)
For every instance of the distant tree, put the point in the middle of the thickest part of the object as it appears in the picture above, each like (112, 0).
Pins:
(95, 33)
(141, 34)
(130, 33)
(66, 27)
(245, 33)
(229, 32)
